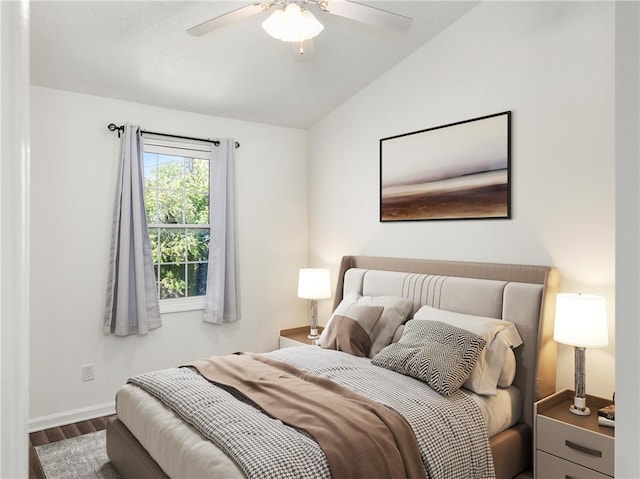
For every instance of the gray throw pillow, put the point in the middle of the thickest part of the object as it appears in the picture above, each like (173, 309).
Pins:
(350, 331)
(396, 311)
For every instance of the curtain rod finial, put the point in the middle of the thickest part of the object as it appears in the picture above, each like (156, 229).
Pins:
(114, 127)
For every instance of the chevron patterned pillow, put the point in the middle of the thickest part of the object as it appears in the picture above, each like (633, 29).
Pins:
(437, 353)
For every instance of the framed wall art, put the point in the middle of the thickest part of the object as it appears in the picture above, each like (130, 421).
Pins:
(457, 171)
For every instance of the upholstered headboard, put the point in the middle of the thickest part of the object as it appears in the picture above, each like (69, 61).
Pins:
(524, 295)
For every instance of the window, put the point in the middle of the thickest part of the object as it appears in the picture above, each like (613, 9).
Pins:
(176, 189)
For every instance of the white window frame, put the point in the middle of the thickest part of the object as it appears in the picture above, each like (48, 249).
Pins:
(187, 148)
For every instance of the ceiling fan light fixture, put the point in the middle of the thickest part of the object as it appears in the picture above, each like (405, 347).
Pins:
(292, 24)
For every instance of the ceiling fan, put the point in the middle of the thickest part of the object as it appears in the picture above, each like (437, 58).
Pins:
(291, 21)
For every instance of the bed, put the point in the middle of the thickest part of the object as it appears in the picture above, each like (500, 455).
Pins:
(150, 437)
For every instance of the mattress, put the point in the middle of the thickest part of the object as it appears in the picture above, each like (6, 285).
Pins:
(181, 451)
(178, 448)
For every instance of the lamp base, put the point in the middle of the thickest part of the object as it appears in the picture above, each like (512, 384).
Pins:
(579, 407)
(313, 331)
(579, 411)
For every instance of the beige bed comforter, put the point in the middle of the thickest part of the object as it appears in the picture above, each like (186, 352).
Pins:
(347, 426)
(450, 431)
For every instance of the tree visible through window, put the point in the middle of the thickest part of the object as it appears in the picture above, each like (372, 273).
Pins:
(176, 180)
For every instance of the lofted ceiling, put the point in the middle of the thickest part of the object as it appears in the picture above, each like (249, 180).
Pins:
(140, 52)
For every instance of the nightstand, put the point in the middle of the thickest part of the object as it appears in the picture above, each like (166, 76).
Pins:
(568, 445)
(296, 337)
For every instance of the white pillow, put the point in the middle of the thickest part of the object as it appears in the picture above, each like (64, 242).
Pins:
(508, 371)
(396, 311)
(499, 335)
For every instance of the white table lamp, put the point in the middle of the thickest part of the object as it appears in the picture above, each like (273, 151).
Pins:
(314, 284)
(581, 322)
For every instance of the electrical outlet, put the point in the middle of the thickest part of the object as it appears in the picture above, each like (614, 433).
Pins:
(87, 372)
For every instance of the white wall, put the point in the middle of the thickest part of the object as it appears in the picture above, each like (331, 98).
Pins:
(74, 166)
(552, 65)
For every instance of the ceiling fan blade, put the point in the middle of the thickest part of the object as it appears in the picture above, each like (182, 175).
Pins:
(370, 15)
(230, 18)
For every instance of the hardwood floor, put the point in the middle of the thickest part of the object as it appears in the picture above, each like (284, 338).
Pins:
(38, 438)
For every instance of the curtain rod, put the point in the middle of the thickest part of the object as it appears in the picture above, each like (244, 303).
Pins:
(120, 130)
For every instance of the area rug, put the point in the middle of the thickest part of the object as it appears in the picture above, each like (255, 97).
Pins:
(79, 457)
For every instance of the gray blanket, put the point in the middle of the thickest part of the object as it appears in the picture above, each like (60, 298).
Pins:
(450, 431)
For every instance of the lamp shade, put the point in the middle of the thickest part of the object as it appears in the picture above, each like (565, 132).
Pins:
(292, 24)
(314, 283)
(581, 320)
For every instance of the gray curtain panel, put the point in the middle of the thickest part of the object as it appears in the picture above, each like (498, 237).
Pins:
(222, 304)
(132, 303)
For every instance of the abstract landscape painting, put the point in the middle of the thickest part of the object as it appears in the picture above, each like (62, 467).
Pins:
(455, 171)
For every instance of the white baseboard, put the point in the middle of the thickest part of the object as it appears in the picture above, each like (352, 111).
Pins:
(69, 417)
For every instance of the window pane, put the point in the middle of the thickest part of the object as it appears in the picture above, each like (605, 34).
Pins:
(196, 187)
(198, 244)
(150, 165)
(196, 173)
(150, 206)
(163, 188)
(153, 237)
(197, 274)
(150, 186)
(170, 207)
(172, 281)
(172, 245)
(170, 172)
(196, 208)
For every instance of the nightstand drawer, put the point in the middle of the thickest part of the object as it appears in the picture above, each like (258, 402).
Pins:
(581, 446)
(552, 467)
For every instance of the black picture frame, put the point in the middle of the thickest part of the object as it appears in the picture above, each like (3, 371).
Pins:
(456, 171)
